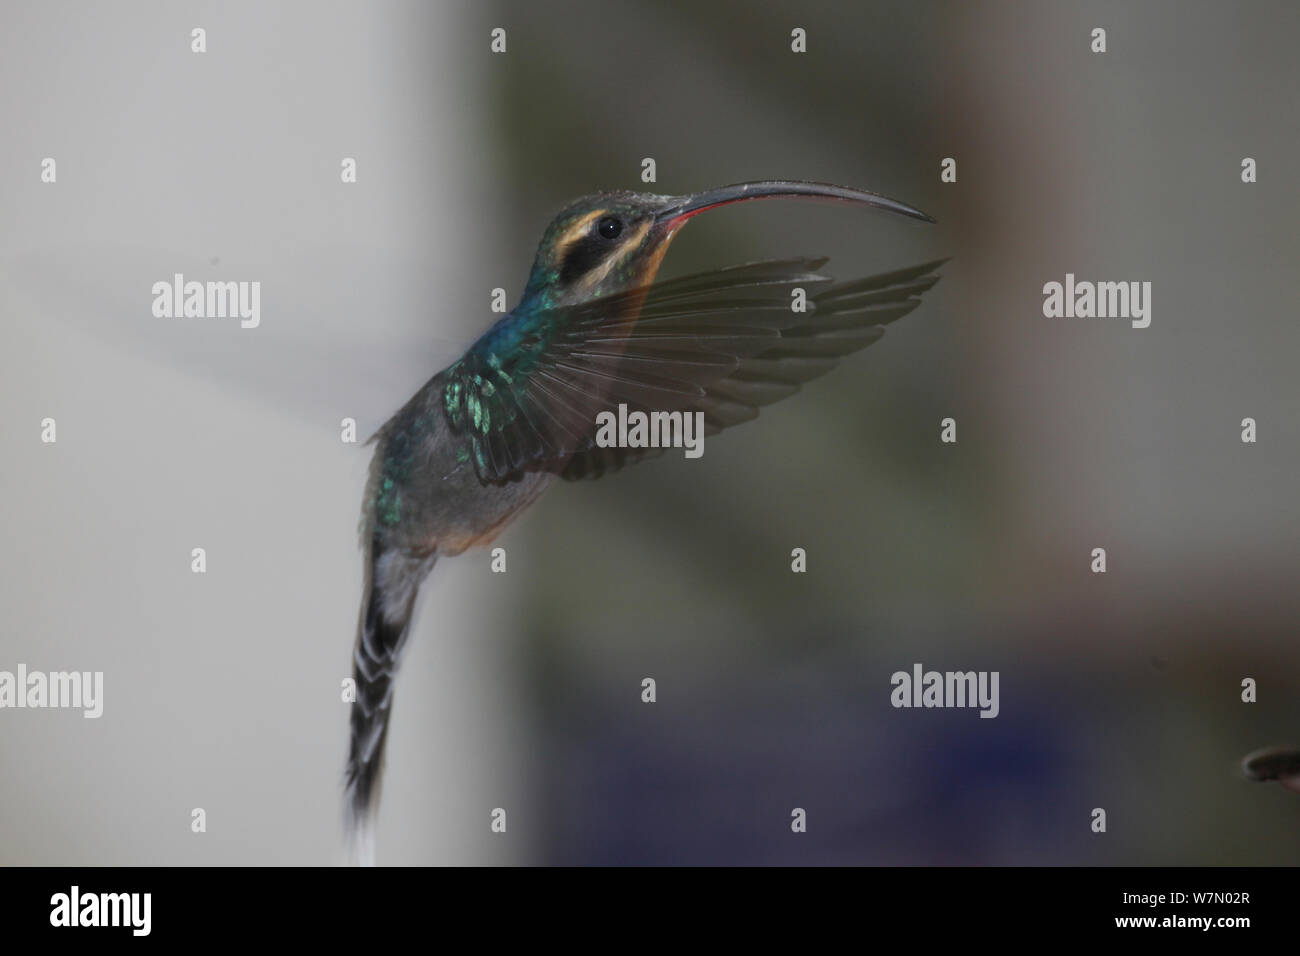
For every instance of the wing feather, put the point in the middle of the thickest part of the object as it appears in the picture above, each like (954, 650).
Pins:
(724, 343)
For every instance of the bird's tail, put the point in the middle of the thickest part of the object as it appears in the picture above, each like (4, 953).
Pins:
(393, 581)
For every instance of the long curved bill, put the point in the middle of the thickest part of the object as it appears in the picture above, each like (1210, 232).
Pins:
(681, 208)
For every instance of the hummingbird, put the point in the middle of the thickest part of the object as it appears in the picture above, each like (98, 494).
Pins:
(1274, 763)
(486, 436)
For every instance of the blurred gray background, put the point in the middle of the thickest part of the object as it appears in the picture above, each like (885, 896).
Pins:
(522, 690)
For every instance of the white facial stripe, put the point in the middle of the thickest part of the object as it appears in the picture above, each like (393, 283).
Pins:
(633, 240)
(575, 232)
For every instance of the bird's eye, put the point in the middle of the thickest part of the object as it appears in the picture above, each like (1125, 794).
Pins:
(609, 227)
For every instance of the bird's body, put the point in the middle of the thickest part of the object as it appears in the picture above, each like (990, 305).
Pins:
(484, 438)
(425, 495)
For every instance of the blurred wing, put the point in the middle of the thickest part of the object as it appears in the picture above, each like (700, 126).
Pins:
(723, 343)
(345, 331)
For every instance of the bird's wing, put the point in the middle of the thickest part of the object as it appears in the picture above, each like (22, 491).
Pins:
(310, 358)
(723, 343)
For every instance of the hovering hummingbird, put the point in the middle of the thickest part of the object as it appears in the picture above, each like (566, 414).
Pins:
(485, 437)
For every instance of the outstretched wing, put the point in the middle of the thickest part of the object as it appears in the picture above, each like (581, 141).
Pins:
(723, 343)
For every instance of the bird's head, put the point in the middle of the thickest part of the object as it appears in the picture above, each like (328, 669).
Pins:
(609, 242)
